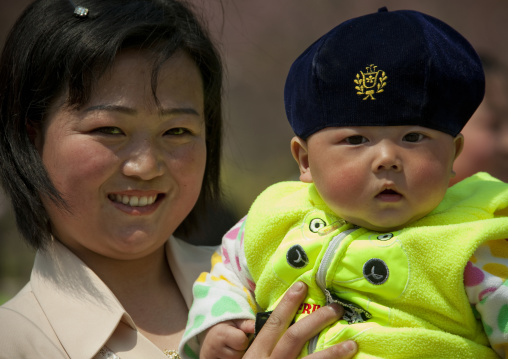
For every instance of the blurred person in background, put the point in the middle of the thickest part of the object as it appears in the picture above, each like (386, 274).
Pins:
(486, 133)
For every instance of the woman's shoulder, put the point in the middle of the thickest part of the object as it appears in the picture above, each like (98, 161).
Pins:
(25, 331)
(22, 302)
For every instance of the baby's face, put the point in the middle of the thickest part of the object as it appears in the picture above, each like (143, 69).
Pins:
(382, 177)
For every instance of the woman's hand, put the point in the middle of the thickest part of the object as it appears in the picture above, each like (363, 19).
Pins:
(277, 340)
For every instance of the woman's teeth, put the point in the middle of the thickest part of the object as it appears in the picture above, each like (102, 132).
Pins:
(133, 201)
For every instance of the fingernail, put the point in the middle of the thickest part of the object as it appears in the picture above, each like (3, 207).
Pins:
(336, 308)
(297, 287)
(350, 345)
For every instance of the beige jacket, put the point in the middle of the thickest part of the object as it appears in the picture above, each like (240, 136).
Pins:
(66, 311)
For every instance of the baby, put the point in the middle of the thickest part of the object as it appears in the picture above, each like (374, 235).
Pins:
(377, 105)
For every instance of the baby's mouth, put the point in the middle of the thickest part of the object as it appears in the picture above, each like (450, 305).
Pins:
(389, 195)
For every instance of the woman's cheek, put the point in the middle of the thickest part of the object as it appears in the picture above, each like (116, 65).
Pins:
(189, 160)
(81, 165)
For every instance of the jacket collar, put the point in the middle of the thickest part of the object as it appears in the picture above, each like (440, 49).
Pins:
(80, 307)
(82, 310)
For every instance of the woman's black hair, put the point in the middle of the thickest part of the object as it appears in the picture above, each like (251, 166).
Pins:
(50, 51)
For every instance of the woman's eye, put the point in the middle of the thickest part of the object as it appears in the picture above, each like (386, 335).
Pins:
(356, 140)
(178, 131)
(109, 130)
(413, 137)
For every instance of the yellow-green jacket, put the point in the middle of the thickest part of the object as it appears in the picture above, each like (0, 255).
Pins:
(403, 291)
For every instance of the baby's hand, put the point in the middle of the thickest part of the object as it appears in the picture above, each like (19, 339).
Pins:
(227, 340)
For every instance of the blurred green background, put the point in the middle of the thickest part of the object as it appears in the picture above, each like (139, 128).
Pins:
(259, 40)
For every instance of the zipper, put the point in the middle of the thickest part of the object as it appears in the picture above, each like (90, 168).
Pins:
(321, 275)
(327, 260)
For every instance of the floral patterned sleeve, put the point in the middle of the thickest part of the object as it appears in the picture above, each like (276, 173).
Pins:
(485, 279)
(224, 293)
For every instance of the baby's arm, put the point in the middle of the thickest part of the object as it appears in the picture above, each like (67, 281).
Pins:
(226, 340)
(487, 289)
(224, 294)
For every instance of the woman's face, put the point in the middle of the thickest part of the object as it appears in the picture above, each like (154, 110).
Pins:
(129, 170)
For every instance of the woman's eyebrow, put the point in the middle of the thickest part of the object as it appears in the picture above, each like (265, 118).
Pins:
(111, 108)
(180, 110)
(131, 111)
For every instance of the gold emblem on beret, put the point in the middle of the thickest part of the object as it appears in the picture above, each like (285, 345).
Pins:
(370, 82)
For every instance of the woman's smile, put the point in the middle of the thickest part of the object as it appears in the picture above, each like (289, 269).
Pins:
(136, 204)
(133, 201)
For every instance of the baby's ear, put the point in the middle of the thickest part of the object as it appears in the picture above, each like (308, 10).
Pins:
(459, 144)
(300, 153)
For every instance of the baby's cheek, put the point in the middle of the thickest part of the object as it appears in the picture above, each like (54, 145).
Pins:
(431, 174)
(341, 189)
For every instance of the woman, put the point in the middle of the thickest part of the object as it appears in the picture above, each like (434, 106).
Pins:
(111, 133)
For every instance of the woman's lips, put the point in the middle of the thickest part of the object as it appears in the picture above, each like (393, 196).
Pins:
(133, 201)
(136, 204)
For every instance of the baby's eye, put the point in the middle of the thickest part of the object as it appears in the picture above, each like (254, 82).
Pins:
(109, 130)
(356, 140)
(413, 137)
(177, 131)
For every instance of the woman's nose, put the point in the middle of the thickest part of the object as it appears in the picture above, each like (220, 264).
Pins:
(144, 161)
(386, 157)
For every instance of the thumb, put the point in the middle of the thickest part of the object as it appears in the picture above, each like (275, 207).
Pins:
(245, 325)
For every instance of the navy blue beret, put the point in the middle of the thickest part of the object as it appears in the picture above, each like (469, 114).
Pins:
(389, 68)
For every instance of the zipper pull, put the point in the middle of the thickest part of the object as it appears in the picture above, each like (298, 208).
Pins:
(329, 298)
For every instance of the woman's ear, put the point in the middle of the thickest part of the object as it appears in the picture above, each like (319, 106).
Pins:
(35, 135)
(300, 153)
(32, 133)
